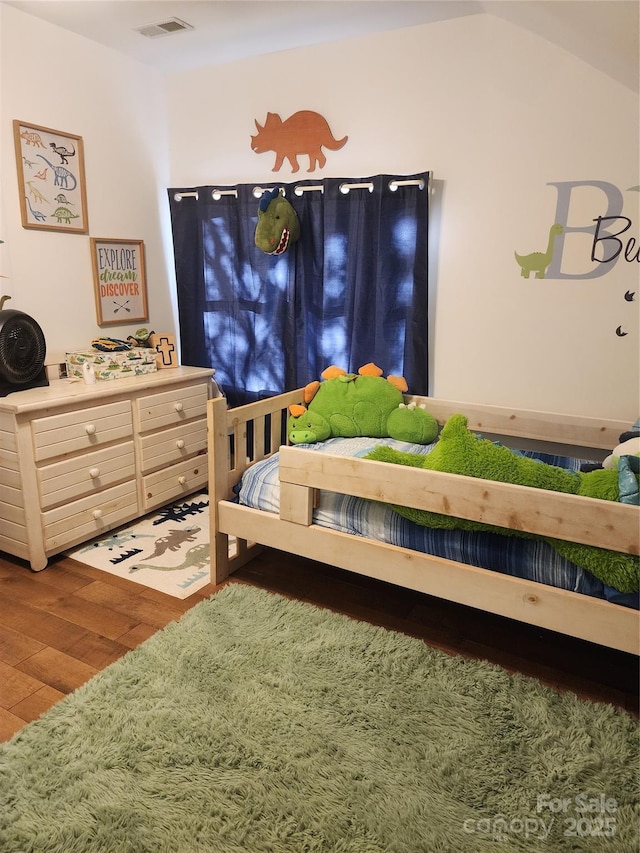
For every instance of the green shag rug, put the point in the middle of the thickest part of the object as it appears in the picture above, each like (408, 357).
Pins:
(260, 724)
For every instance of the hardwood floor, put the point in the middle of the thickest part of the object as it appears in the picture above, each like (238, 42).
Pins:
(61, 626)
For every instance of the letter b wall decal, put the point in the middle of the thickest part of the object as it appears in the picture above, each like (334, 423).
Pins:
(608, 228)
(599, 206)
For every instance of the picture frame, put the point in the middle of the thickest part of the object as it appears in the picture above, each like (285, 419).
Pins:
(119, 278)
(51, 178)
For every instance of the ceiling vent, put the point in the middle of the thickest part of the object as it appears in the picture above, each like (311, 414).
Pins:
(164, 28)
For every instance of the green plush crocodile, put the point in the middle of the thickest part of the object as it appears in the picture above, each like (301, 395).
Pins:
(362, 404)
(278, 224)
(459, 451)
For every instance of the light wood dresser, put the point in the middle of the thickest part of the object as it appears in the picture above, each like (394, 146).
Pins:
(77, 460)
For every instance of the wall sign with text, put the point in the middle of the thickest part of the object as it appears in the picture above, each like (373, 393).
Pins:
(119, 281)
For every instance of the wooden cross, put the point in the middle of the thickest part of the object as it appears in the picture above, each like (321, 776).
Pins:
(165, 346)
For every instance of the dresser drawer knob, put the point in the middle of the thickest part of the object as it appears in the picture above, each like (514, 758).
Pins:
(178, 407)
(97, 513)
(90, 429)
(180, 444)
(182, 480)
(94, 473)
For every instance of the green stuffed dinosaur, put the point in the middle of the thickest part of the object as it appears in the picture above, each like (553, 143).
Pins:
(278, 224)
(141, 338)
(459, 451)
(362, 404)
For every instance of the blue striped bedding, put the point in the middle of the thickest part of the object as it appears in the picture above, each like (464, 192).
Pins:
(530, 559)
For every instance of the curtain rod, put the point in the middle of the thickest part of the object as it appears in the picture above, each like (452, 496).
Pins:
(215, 194)
(344, 188)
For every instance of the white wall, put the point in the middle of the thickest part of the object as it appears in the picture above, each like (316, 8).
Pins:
(497, 114)
(56, 79)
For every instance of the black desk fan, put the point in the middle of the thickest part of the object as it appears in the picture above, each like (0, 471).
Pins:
(22, 351)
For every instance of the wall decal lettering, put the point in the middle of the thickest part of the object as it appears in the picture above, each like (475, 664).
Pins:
(610, 240)
(601, 263)
(618, 244)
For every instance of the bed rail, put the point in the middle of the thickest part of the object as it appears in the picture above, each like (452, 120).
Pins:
(572, 433)
(603, 524)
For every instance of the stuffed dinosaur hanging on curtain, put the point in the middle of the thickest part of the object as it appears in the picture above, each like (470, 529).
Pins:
(278, 225)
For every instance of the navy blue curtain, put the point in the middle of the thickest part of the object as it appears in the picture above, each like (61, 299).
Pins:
(353, 289)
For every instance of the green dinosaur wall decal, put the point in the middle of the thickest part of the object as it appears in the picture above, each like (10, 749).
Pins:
(539, 261)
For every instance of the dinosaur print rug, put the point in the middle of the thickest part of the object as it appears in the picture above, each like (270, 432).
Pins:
(167, 550)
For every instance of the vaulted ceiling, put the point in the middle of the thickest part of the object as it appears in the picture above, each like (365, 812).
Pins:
(603, 33)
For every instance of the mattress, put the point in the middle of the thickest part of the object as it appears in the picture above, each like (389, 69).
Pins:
(531, 559)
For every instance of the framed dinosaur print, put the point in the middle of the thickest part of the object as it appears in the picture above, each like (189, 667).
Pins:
(120, 281)
(51, 178)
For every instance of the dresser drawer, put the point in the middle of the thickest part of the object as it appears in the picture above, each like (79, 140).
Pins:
(83, 429)
(157, 411)
(171, 483)
(86, 474)
(90, 516)
(173, 445)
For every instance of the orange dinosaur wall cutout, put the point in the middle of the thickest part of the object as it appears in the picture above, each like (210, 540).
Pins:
(304, 132)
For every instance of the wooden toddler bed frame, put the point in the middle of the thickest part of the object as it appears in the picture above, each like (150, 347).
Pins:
(240, 437)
